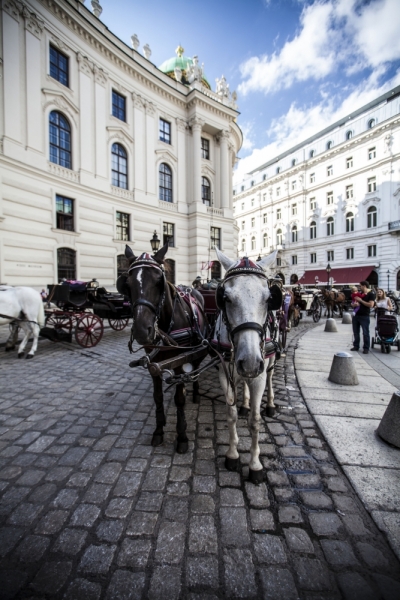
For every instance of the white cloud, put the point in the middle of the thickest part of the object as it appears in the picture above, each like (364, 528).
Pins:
(247, 130)
(334, 34)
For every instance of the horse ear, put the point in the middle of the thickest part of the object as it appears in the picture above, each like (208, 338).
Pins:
(267, 261)
(225, 261)
(129, 253)
(159, 256)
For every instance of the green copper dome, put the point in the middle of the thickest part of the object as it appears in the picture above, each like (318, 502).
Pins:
(183, 63)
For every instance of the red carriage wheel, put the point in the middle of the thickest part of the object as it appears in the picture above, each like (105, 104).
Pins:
(118, 324)
(89, 330)
(59, 322)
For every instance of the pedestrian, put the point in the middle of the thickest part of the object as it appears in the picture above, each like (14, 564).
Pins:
(383, 302)
(361, 318)
(44, 295)
(355, 293)
(196, 284)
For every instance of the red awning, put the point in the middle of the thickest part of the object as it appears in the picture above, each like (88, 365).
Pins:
(345, 276)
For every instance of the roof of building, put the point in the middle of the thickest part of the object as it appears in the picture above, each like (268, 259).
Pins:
(183, 63)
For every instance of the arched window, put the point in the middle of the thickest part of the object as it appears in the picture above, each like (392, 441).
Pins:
(349, 222)
(60, 140)
(119, 166)
(312, 153)
(243, 245)
(293, 279)
(281, 275)
(294, 233)
(329, 145)
(371, 123)
(169, 270)
(205, 191)
(253, 243)
(313, 230)
(330, 226)
(66, 264)
(372, 217)
(165, 192)
(279, 237)
(349, 135)
(122, 264)
(265, 240)
(216, 270)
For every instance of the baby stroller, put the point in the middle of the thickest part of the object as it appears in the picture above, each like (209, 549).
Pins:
(386, 331)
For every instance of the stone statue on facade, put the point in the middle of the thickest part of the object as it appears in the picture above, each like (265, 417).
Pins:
(96, 8)
(222, 87)
(135, 41)
(147, 51)
(194, 71)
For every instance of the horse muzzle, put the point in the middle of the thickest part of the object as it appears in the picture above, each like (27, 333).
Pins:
(143, 334)
(249, 366)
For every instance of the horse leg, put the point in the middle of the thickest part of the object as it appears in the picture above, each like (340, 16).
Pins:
(36, 330)
(13, 337)
(245, 408)
(182, 442)
(232, 455)
(158, 435)
(196, 385)
(270, 389)
(27, 330)
(256, 474)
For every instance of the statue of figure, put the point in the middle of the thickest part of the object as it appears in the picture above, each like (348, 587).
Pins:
(194, 71)
(222, 87)
(135, 41)
(178, 74)
(147, 51)
(388, 142)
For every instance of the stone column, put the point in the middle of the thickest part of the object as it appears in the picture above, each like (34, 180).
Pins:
(139, 146)
(150, 137)
(225, 170)
(182, 163)
(196, 125)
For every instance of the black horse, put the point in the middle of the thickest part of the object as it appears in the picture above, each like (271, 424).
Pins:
(162, 315)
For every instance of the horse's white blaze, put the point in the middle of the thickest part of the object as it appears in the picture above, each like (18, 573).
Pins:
(139, 278)
(25, 303)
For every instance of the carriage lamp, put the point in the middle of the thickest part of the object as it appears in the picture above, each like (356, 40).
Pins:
(155, 242)
(328, 270)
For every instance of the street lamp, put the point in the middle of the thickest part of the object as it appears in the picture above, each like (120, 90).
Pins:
(388, 273)
(258, 258)
(155, 242)
(328, 270)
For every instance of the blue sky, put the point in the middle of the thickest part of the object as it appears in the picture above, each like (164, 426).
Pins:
(296, 65)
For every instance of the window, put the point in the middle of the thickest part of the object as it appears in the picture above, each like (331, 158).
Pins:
(265, 240)
(372, 250)
(278, 170)
(312, 177)
(264, 198)
(118, 106)
(58, 66)
(349, 222)
(349, 191)
(205, 148)
(330, 226)
(329, 171)
(60, 140)
(253, 222)
(169, 234)
(243, 245)
(294, 209)
(265, 218)
(294, 234)
(264, 176)
(349, 253)
(371, 123)
(278, 262)
(170, 270)
(242, 188)
(371, 153)
(65, 213)
(205, 191)
(329, 145)
(278, 214)
(294, 161)
(329, 198)
(122, 264)
(119, 167)
(294, 259)
(251, 183)
(215, 237)
(165, 131)
(66, 264)
(252, 202)
(122, 226)
(312, 153)
(165, 177)
(234, 192)
(313, 257)
(313, 204)
(278, 191)
(253, 243)
(242, 206)
(279, 237)
(349, 135)
(216, 272)
(313, 230)
(330, 255)
(243, 225)
(294, 184)
(371, 217)
(349, 162)
(372, 184)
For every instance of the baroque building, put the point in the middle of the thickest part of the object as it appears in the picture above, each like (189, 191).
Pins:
(99, 148)
(334, 199)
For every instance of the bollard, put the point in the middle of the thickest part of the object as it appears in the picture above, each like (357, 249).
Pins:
(343, 370)
(330, 325)
(389, 427)
(347, 319)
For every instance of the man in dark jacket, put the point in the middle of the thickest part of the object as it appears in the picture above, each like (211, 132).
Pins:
(361, 318)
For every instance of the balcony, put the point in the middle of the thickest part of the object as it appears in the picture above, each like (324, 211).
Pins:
(394, 226)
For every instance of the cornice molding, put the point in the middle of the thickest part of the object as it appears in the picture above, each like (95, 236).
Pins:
(165, 154)
(61, 101)
(370, 199)
(118, 133)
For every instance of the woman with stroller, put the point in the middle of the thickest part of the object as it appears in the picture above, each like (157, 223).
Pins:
(383, 302)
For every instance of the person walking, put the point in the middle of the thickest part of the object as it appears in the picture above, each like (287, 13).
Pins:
(361, 318)
(383, 302)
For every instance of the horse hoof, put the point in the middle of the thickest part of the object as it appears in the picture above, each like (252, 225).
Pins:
(231, 464)
(256, 477)
(20, 354)
(243, 411)
(29, 356)
(157, 440)
(182, 447)
(270, 411)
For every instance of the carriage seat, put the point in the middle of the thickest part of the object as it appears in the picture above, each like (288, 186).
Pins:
(77, 292)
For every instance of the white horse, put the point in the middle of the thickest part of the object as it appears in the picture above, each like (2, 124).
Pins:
(243, 300)
(21, 307)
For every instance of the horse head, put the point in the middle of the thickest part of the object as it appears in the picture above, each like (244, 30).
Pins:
(146, 287)
(243, 299)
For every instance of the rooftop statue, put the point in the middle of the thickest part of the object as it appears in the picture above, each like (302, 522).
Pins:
(222, 87)
(194, 71)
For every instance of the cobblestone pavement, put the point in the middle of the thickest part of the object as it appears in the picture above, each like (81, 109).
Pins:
(90, 510)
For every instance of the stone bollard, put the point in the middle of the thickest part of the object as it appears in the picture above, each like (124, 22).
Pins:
(389, 427)
(347, 319)
(343, 370)
(330, 325)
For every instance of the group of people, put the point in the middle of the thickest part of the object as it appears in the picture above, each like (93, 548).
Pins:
(363, 300)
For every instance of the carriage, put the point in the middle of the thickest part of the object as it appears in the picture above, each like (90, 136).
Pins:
(308, 300)
(82, 306)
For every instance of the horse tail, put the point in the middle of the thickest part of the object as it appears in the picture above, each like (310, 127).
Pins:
(40, 316)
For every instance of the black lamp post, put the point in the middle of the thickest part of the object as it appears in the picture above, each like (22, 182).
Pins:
(388, 274)
(328, 270)
(155, 242)
(258, 258)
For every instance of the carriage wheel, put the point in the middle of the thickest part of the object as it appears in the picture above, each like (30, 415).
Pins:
(388, 348)
(118, 324)
(317, 312)
(282, 338)
(59, 322)
(89, 330)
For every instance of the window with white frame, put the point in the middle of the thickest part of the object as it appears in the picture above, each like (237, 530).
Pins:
(313, 204)
(371, 153)
(313, 257)
(278, 214)
(329, 171)
(330, 255)
(278, 170)
(252, 202)
(294, 259)
(371, 184)
(278, 262)
(330, 226)
(243, 225)
(265, 218)
(371, 123)
(313, 230)
(265, 240)
(349, 135)
(294, 234)
(205, 148)
(251, 183)
(349, 253)
(242, 206)
(253, 243)
(278, 191)
(264, 198)
(349, 222)
(349, 162)
(372, 219)
(312, 153)
(349, 191)
(372, 250)
(122, 226)
(253, 221)
(279, 237)
(294, 185)
(243, 247)
(329, 145)
(312, 177)
(329, 198)
(164, 131)
(294, 209)
(242, 188)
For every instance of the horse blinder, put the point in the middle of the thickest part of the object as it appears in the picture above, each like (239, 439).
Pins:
(122, 285)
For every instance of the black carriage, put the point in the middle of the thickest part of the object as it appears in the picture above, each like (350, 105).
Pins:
(308, 300)
(82, 306)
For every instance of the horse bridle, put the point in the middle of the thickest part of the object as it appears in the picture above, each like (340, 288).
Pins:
(145, 262)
